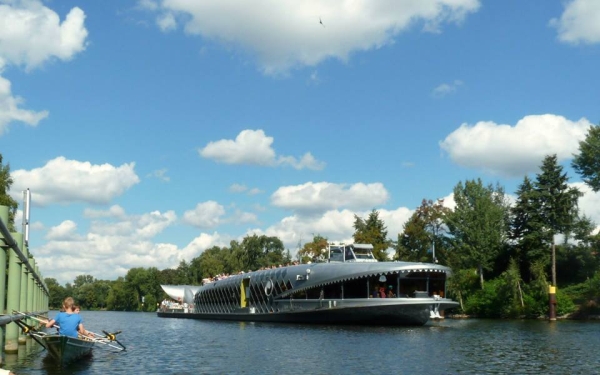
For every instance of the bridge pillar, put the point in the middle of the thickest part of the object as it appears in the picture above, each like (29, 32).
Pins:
(13, 294)
(3, 250)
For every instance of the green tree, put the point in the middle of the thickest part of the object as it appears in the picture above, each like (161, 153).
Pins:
(477, 226)
(555, 202)
(372, 231)
(120, 297)
(526, 232)
(6, 182)
(587, 162)
(211, 262)
(421, 234)
(316, 249)
(57, 293)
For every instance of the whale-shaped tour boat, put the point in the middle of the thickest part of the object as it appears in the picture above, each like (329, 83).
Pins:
(346, 289)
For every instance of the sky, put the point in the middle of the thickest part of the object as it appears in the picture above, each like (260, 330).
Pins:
(148, 131)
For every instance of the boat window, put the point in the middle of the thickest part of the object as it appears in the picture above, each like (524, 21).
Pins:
(363, 253)
(336, 255)
(349, 253)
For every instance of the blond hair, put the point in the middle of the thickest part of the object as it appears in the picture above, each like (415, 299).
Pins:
(68, 303)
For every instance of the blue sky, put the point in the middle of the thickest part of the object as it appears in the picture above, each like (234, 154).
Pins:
(149, 131)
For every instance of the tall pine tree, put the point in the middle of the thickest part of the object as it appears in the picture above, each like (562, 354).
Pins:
(555, 202)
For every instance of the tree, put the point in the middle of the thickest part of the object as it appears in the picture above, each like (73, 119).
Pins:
(6, 182)
(57, 293)
(372, 231)
(587, 162)
(555, 202)
(477, 226)
(314, 250)
(526, 230)
(421, 234)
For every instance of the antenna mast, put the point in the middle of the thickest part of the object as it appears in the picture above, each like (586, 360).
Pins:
(26, 203)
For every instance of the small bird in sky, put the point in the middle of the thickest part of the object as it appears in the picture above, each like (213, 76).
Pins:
(321, 22)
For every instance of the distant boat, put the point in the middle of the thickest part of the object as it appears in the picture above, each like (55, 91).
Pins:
(346, 289)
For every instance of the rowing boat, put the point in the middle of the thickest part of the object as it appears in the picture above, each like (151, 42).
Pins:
(66, 349)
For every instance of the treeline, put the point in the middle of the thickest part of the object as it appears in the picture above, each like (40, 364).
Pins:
(504, 254)
(140, 289)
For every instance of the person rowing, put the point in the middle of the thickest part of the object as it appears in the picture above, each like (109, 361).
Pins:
(69, 323)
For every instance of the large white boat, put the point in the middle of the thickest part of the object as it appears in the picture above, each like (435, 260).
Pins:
(350, 287)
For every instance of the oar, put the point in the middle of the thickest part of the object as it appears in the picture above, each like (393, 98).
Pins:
(29, 330)
(113, 337)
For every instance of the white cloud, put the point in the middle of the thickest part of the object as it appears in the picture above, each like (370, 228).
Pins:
(69, 181)
(114, 243)
(202, 242)
(166, 22)
(238, 188)
(253, 147)
(323, 196)
(446, 88)
(10, 108)
(335, 225)
(255, 191)
(579, 23)
(160, 174)
(205, 215)
(65, 231)
(589, 203)
(31, 33)
(515, 150)
(285, 34)
(241, 217)
(115, 211)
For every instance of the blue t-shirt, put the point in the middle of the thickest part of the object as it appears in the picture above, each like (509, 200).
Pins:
(68, 323)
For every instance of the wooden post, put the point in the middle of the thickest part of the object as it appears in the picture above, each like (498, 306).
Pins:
(552, 307)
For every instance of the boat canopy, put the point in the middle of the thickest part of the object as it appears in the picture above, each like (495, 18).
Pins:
(357, 252)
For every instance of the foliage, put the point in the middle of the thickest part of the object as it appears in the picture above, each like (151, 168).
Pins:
(6, 182)
(313, 251)
(421, 234)
(372, 231)
(477, 227)
(461, 284)
(587, 162)
(57, 293)
(529, 240)
(555, 202)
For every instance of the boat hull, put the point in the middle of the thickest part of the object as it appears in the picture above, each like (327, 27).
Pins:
(359, 312)
(65, 349)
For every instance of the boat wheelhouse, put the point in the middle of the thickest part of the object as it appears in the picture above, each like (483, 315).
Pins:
(351, 287)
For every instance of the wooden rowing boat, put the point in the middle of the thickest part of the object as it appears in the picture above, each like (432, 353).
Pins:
(65, 349)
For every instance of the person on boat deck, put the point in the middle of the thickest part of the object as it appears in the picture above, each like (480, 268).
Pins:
(76, 309)
(390, 293)
(382, 292)
(69, 322)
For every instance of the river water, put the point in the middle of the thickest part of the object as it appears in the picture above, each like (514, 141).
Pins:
(180, 346)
